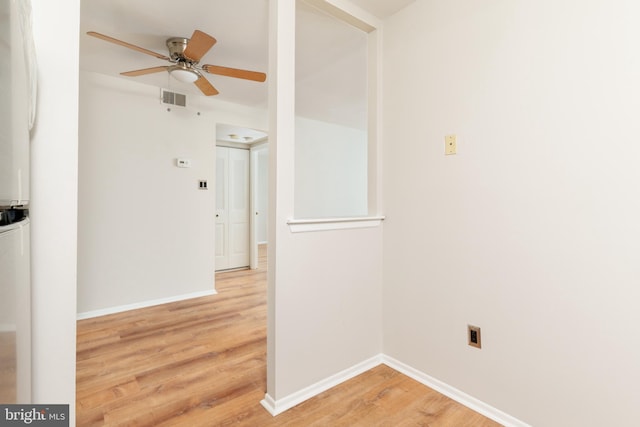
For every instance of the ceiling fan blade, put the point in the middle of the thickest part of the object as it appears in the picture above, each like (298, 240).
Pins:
(144, 71)
(205, 87)
(198, 45)
(129, 45)
(235, 72)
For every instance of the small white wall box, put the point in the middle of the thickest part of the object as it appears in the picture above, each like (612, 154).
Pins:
(183, 163)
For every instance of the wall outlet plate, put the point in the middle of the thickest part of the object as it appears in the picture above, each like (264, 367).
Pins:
(450, 145)
(473, 335)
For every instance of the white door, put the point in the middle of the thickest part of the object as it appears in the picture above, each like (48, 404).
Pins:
(232, 208)
(222, 197)
(259, 195)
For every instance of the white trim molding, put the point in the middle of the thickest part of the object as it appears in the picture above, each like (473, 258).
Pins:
(348, 12)
(323, 224)
(143, 304)
(270, 405)
(276, 407)
(455, 394)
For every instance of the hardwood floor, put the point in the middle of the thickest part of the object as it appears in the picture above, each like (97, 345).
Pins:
(8, 367)
(202, 362)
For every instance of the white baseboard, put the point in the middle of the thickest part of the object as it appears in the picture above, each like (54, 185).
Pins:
(455, 394)
(276, 407)
(269, 404)
(143, 304)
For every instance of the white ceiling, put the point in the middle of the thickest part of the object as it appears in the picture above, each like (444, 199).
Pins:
(238, 135)
(240, 27)
(382, 8)
(241, 30)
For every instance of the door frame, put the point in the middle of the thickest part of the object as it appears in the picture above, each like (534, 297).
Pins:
(254, 152)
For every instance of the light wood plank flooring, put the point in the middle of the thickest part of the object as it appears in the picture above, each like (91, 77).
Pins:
(202, 362)
(8, 367)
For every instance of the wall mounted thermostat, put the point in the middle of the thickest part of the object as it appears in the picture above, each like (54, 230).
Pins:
(183, 163)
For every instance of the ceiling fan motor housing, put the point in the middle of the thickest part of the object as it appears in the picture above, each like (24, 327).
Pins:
(176, 46)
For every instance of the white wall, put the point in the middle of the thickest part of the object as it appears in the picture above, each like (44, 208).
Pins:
(324, 287)
(328, 306)
(146, 232)
(531, 231)
(331, 170)
(54, 200)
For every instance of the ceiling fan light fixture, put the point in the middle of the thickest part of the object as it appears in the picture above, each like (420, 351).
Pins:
(185, 55)
(184, 74)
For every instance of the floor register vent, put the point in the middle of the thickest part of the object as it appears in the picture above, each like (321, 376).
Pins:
(173, 98)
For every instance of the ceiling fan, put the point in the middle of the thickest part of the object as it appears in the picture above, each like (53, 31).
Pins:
(184, 55)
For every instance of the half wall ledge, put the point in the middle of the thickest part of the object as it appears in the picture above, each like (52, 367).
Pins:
(323, 224)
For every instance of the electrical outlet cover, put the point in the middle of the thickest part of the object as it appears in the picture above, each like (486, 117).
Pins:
(473, 334)
(450, 145)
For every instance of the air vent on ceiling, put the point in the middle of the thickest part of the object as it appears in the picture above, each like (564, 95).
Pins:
(173, 98)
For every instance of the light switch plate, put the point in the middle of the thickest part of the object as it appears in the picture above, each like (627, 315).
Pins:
(450, 145)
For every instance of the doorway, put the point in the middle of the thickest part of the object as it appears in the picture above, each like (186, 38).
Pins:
(241, 194)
